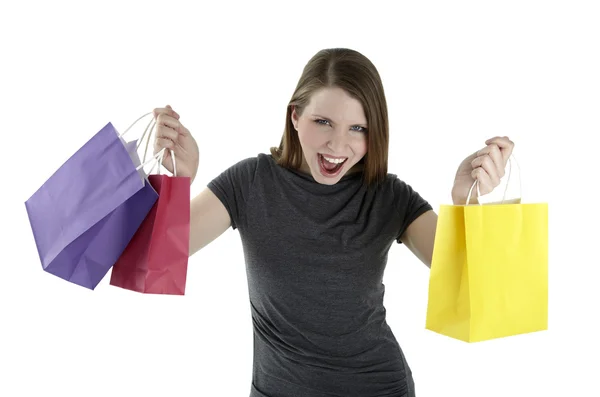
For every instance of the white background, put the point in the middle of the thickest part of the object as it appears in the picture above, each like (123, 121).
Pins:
(455, 74)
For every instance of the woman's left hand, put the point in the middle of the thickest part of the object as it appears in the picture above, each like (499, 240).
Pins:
(486, 166)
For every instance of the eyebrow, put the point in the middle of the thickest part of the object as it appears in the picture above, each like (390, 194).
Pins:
(328, 119)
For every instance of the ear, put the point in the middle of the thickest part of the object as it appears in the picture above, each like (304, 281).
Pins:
(294, 117)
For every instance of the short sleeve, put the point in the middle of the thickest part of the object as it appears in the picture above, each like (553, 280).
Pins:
(233, 188)
(410, 205)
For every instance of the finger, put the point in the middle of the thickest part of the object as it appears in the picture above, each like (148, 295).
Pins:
(173, 123)
(163, 131)
(168, 110)
(491, 170)
(164, 143)
(504, 143)
(173, 113)
(484, 180)
(168, 121)
(493, 151)
(489, 166)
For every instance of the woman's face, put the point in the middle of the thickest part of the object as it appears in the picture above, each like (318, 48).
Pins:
(332, 129)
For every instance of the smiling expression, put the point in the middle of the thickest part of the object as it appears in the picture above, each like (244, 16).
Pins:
(331, 130)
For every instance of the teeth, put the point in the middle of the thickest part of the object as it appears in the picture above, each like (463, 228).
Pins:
(335, 161)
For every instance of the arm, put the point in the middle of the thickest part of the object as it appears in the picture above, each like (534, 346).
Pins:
(208, 220)
(420, 236)
(487, 167)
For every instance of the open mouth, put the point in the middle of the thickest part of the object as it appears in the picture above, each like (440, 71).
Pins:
(328, 168)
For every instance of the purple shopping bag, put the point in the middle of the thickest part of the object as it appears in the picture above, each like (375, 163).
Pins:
(85, 214)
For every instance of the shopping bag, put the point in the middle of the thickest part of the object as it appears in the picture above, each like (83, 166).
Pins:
(489, 272)
(85, 214)
(156, 259)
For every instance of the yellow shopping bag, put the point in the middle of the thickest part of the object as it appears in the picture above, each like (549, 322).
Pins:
(489, 272)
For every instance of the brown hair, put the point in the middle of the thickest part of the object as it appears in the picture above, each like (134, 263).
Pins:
(353, 72)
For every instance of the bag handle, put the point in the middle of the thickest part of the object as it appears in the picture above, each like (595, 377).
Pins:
(135, 122)
(157, 157)
(476, 183)
(160, 159)
(150, 127)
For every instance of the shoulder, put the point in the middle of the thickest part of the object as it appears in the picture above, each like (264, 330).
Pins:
(250, 168)
(254, 162)
(404, 193)
(250, 165)
(398, 187)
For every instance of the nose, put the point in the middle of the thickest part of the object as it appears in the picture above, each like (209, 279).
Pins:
(337, 141)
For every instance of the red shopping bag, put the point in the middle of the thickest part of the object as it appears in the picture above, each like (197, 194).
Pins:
(156, 259)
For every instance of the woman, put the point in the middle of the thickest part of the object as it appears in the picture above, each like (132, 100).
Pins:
(317, 217)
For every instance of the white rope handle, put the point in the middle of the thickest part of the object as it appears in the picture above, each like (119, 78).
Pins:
(174, 163)
(476, 183)
(150, 127)
(134, 123)
(157, 157)
(161, 159)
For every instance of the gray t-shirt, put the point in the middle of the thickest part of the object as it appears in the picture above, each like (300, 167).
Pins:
(315, 258)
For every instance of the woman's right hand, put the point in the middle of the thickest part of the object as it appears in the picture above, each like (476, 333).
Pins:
(171, 134)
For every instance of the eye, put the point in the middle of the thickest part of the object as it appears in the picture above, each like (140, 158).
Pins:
(360, 129)
(318, 121)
